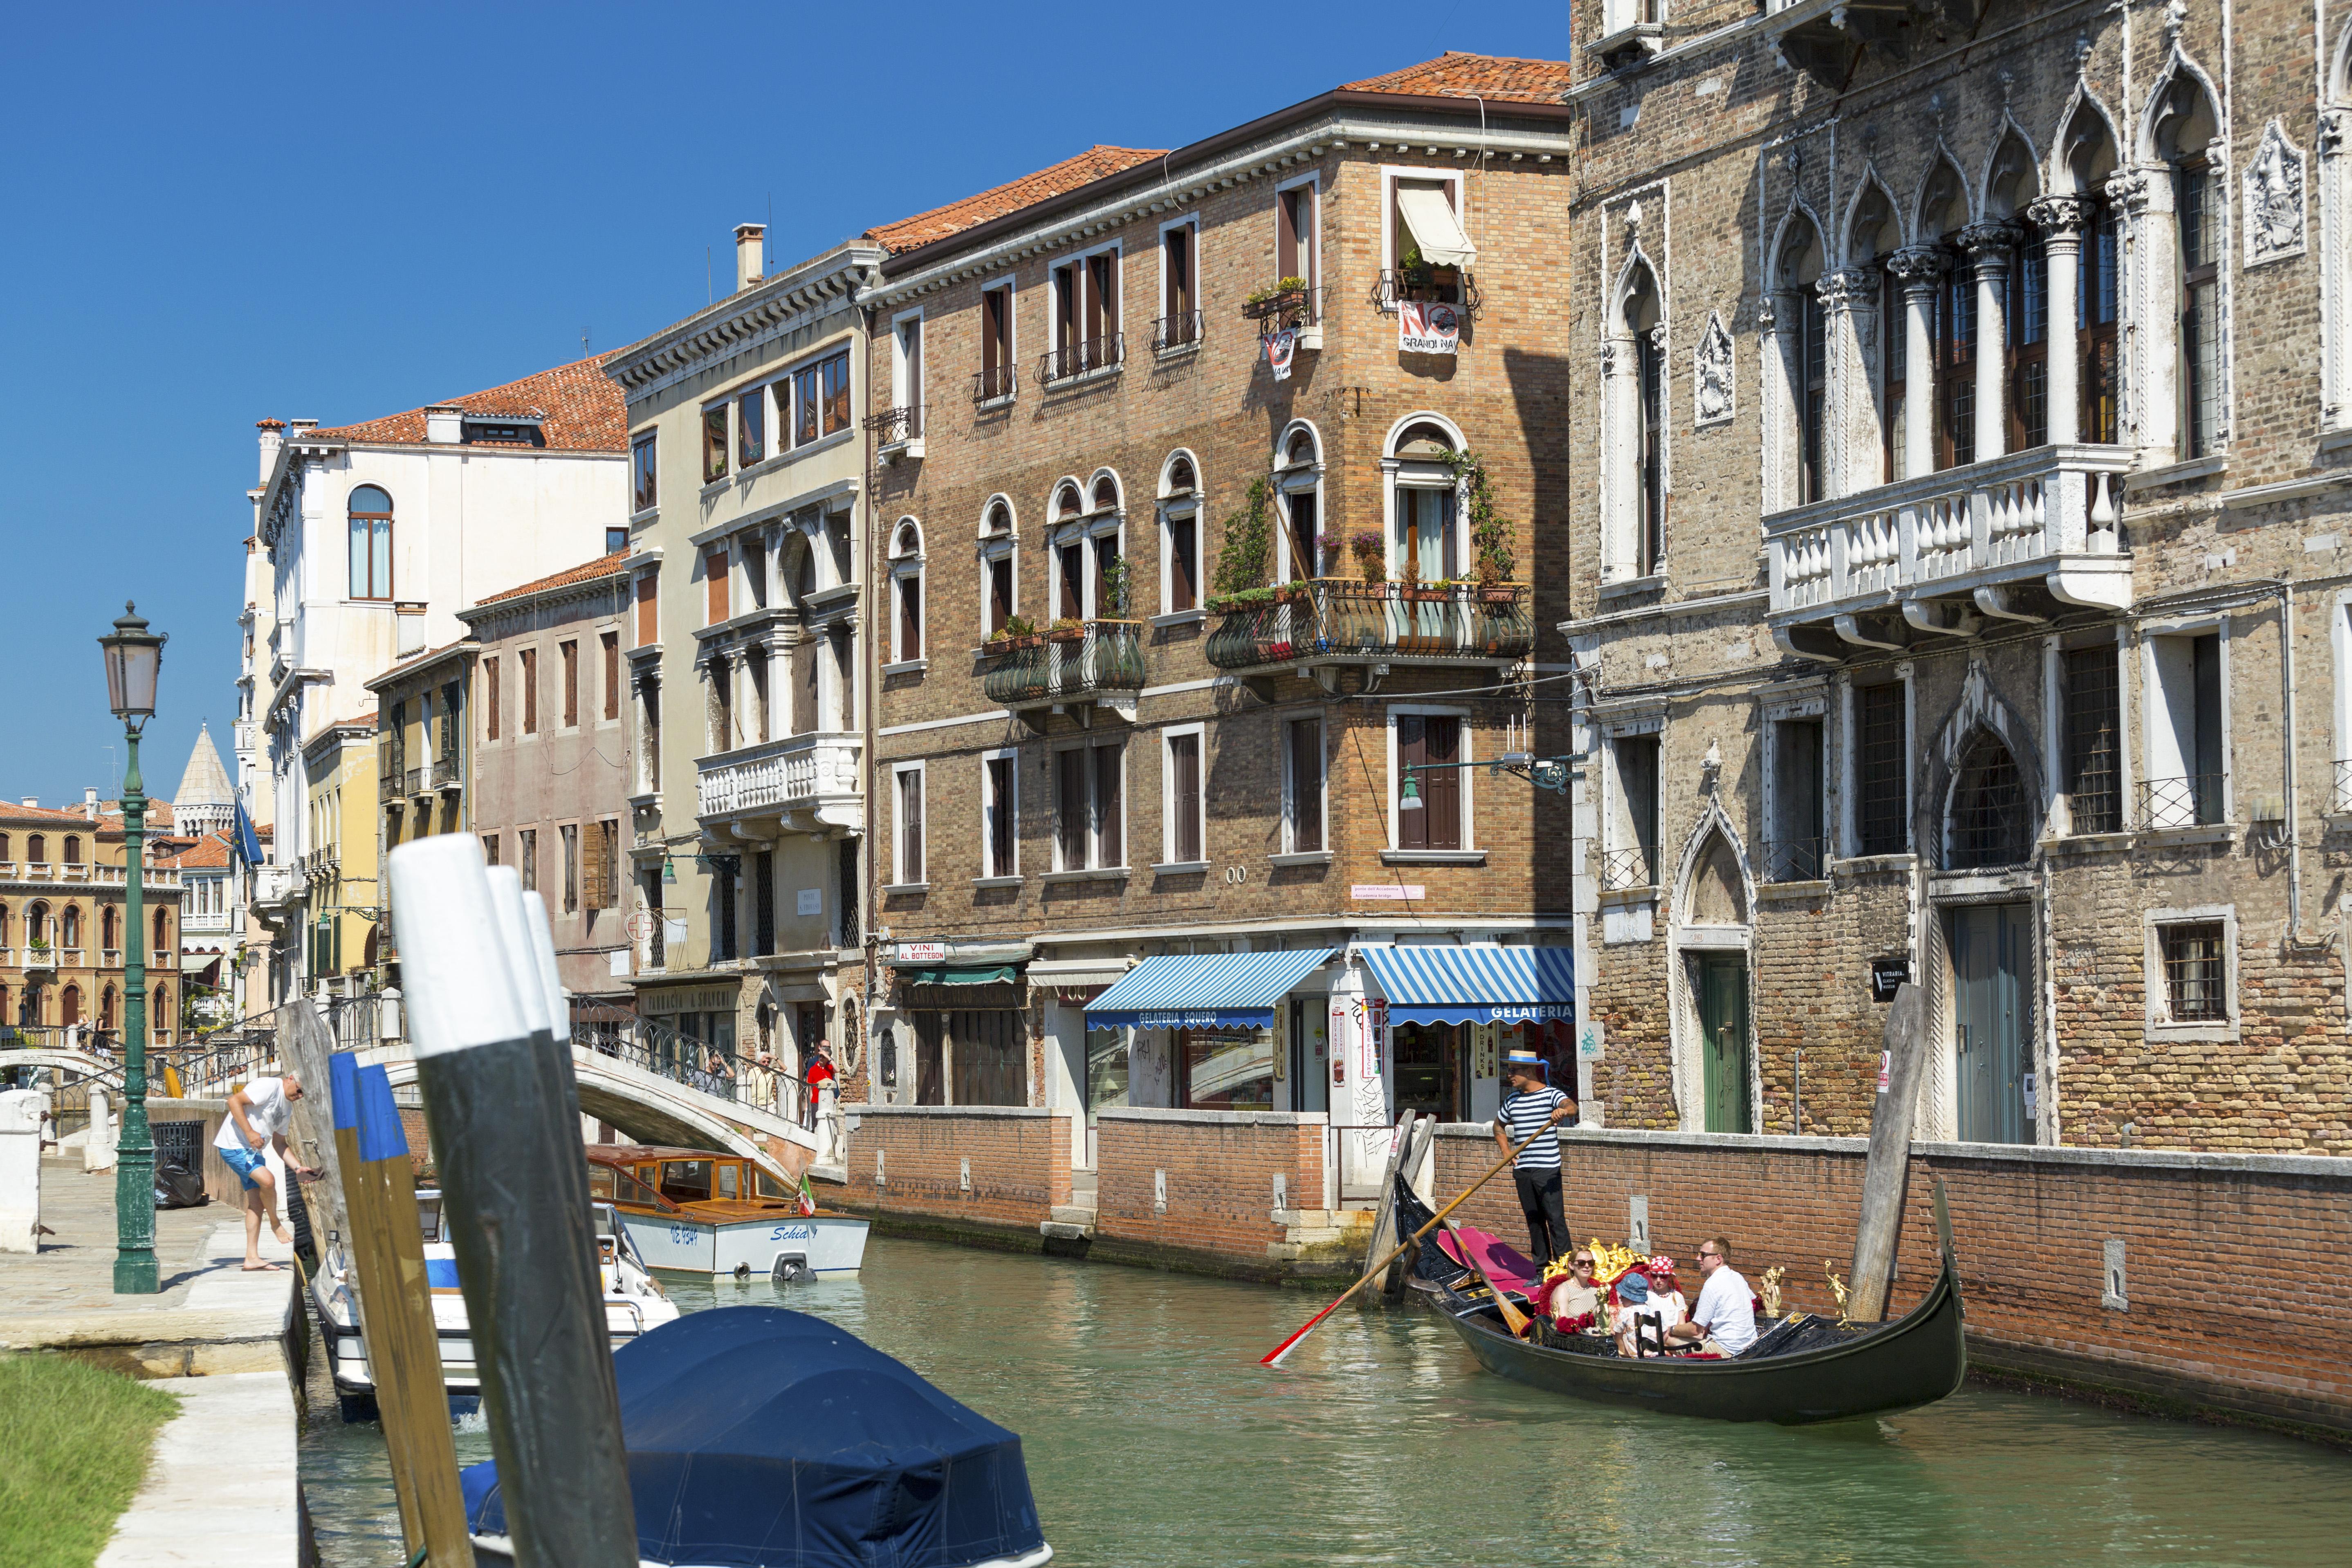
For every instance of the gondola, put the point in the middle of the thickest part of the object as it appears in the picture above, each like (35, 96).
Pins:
(1810, 1370)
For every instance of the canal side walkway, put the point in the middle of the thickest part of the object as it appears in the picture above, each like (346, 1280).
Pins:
(222, 1487)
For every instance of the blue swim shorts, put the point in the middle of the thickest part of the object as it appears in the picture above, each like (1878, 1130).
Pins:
(245, 1161)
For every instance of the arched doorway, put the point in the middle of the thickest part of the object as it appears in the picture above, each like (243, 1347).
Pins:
(1989, 825)
(1716, 1080)
(70, 1005)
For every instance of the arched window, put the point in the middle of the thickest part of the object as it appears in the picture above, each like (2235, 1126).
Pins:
(4, 942)
(1872, 235)
(1637, 414)
(1180, 535)
(70, 1005)
(109, 1005)
(1990, 821)
(37, 848)
(1424, 545)
(161, 1020)
(906, 591)
(73, 850)
(1805, 352)
(2086, 158)
(2185, 128)
(1105, 492)
(2011, 186)
(1298, 481)
(69, 926)
(162, 931)
(1089, 584)
(999, 566)
(371, 516)
(109, 927)
(36, 925)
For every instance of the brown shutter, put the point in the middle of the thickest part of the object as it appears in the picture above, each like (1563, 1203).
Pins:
(490, 689)
(1111, 821)
(1306, 785)
(1286, 237)
(571, 652)
(1184, 759)
(530, 691)
(648, 625)
(1070, 807)
(1441, 788)
(714, 572)
(612, 645)
(992, 335)
(1413, 826)
(593, 856)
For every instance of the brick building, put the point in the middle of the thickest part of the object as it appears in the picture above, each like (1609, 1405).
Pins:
(1212, 487)
(2023, 334)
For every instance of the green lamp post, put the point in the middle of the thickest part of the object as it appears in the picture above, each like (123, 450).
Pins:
(134, 655)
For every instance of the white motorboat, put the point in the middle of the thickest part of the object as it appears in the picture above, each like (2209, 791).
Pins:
(702, 1212)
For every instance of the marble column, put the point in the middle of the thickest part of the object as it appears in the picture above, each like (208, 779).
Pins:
(1850, 443)
(2059, 220)
(1917, 267)
(1990, 247)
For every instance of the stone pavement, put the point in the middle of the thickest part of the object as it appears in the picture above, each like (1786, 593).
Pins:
(221, 1490)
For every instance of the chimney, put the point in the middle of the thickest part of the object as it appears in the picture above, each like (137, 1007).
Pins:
(89, 802)
(444, 424)
(32, 801)
(749, 238)
(273, 438)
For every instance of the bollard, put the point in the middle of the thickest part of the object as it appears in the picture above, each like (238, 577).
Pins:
(506, 1129)
(98, 1145)
(1886, 1172)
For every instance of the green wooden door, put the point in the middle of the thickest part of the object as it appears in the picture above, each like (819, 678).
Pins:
(1723, 1025)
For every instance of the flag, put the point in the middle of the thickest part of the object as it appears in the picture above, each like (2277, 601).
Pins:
(248, 843)
(1279, 348)
(808, 1196)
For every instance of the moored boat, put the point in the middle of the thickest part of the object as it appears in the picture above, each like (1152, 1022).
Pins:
(634, 1304)
(703, 1212)
(1806, 1369)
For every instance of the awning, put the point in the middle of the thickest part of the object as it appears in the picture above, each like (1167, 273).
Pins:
(1434, 227)
(1204, 990)
(1078, 973)
(1479, 984)
(957, 974)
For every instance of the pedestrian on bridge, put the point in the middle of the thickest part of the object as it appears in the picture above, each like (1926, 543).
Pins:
(258, 1116)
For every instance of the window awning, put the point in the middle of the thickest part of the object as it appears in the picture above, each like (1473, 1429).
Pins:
(957, 974)
(1077, 973)
(1204, 990)
(1434, 227)
(1479, 984)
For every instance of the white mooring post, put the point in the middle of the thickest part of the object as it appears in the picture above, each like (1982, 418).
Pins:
(505, 1114)
(20, 1171)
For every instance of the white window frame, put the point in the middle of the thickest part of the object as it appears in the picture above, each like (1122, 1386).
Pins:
(899, 357)
(1290, 846)
(1012, 343)
(2155, 732)
(1171, 507)
(898, 879)
(1116, 327)
(1096, 848)
(1847, 780)
(1191, 220)
(993, 875)
(649, 436)
(908, 568)
(1810, 702)
(724, 400)
(1167, 862)
(1614, 816)
(1086, 528)
(1305, 479)
(2159, 991)
(1389, 174)
(1313, 180)
(1468, 775)
(1006, 545)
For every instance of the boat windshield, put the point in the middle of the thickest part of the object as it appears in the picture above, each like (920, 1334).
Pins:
(731, 1181)
(686, 1181)
(429, 1216)
(616, 1185)
(769, 1188)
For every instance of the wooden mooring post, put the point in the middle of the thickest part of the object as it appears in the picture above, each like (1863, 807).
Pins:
(1887, 1173)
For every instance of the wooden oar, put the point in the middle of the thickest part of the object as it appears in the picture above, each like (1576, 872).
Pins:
(1275, 1356)
(1513, 1319)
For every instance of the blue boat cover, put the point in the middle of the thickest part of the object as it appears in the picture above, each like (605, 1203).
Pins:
(1480, 982)
(759, 1437)
(1198, 990)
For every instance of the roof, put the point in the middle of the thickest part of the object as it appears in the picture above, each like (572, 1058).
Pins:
(42, 816)
(205, 781)
(596, 571)
(412, 664)
(1454, 74)
(578, 406)
(1094, 163)
(632, 1153)
(208, 853)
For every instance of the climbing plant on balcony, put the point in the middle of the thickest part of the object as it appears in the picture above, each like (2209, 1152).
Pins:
(1249, 543)
(1490, 532)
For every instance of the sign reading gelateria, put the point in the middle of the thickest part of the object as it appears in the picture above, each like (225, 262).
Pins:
(690, 999)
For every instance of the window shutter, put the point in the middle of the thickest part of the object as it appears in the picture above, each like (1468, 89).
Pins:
(1413, 826)
(714, 570)
(648, 627)
(491, 691)
(593, 855)
(1111, 821)
(1184, 763)
(1441, 788)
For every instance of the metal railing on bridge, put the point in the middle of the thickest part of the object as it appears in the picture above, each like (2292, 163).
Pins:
(655, 1046)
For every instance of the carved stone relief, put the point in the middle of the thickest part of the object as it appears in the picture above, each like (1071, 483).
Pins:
(2274, 198)
(1711, 375)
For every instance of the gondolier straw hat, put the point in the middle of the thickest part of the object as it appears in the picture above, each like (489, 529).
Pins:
(1528, 1059)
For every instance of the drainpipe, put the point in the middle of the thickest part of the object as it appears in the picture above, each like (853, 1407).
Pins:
(2295, 937)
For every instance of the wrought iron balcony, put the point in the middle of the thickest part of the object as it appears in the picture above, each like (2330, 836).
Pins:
(2343, 784)
(2191, 800)
(989, 385)
(1101, 661)
(1335, 620)
(898, 432)
(2013, 538)
(811, 782)
(1181, 330)
(1624, 869)
(1082, 358)
(1285, 309)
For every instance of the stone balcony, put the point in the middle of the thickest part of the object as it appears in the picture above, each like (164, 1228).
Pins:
(278, 892)
(1334, 621)
(806, 784)
(2020, 538)
(83, 874)
(1100, 664)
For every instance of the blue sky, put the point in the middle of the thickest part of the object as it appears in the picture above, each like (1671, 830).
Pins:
(338, 212)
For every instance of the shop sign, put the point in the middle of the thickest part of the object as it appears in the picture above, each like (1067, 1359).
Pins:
(1427, 328)
(921, 952)
(690, 999)
(810, 901)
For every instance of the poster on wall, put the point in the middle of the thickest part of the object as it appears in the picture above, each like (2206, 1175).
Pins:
(1281, 349)
(1427, 328)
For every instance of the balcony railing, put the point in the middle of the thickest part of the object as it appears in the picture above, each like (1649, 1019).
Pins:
(988, 385)
(2343, 783)
(1103, 658)
(444, 773)
(2045, 515)
(1285, 309)
(83, 873)
(1796, 860)
(412, 782)
(40, 956)
(897, 428)
(817, 771)
(2191, 800)
(1429, 286)
(1084, 358)
(1181, 330)
(1624, 868)
(1336, 619)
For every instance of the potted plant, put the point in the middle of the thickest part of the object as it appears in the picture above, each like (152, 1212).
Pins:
(1066, 629)
(1281, 304)
(1371, 552)
(1117, 588)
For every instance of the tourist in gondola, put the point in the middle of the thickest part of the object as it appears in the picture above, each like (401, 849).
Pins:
(1533, 1106)
(1724, 1323)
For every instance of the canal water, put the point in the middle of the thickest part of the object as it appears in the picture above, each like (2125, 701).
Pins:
(1153, 1438)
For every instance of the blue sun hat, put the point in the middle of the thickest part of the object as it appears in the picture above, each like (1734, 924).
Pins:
(1633, 1290)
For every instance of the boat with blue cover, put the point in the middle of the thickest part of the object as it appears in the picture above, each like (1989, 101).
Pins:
(759, 1438)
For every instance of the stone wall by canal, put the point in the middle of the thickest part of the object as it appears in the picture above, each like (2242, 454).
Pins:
(997, 1167)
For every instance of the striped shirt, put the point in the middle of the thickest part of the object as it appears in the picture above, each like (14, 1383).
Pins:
(1520, 1116)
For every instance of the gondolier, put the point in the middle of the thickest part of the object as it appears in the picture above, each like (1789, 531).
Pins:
(1532, 1105)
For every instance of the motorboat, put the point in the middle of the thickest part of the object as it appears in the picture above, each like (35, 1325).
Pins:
(634, 1305)
(759, 1437)
(699, 1211)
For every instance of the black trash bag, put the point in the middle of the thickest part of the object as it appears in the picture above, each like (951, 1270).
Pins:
(177, 1187)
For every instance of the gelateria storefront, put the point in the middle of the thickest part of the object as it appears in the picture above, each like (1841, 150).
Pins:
(1443, 1019)
(1210, 1032)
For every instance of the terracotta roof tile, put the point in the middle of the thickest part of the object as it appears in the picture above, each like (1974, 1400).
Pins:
(579, 407)
(594, 571)
(205, 854)
(1068, 175)
(41, 816)
(1493, 77)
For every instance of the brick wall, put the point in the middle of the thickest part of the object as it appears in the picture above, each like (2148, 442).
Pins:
(1218, 1171)
(2229, 1260)
(1018, 1159)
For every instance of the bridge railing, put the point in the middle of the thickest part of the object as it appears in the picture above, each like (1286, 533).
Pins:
(653, 1046)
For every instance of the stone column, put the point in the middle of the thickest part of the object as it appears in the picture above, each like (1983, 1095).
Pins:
(1849, 442)
(1781, 319)
(1989, 246)
(20, 1171)
(1917, 268)
(1621, 392)
(2151, 323)
(2060, 221)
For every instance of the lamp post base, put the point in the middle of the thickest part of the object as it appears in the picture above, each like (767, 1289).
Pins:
(135, 1272)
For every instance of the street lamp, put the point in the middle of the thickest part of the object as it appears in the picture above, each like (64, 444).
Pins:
(134, 655)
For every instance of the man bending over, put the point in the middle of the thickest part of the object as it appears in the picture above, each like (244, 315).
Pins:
(258, 1115)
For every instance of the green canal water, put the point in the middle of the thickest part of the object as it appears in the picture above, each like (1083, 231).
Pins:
(1153, 1438)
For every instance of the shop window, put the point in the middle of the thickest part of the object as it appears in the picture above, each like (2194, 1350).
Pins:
(1225, 1069)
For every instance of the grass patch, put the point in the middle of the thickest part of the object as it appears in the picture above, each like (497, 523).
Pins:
(79, 1439)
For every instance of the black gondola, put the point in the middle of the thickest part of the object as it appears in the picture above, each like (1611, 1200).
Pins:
(1796, 1374)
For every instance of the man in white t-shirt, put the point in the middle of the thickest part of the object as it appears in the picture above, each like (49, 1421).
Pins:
(258, 1115)
(1725, 1319)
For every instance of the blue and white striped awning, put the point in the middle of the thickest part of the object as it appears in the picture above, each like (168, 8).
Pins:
(1203, 991)
(1478, 983)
